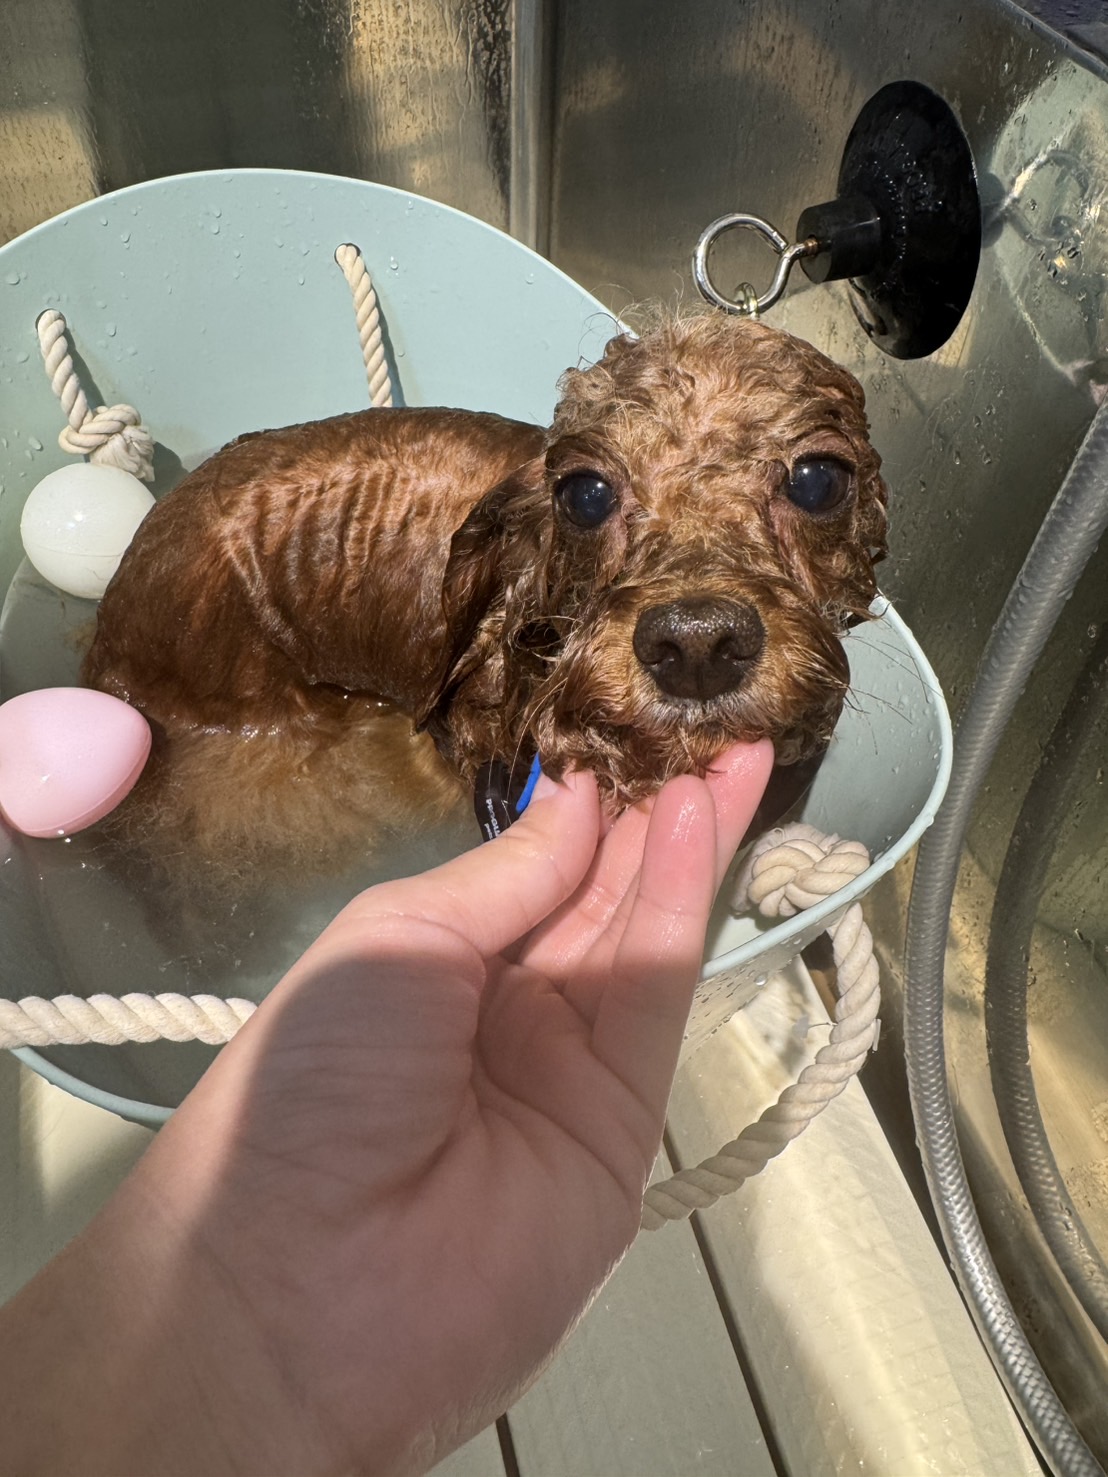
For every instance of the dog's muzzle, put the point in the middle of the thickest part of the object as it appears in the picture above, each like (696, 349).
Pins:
(700, 647)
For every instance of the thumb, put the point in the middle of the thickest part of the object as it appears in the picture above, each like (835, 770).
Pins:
(493, 895)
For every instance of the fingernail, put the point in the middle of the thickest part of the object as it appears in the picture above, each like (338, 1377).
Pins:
(545, 787)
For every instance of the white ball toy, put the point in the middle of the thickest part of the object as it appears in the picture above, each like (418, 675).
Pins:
(77, 523)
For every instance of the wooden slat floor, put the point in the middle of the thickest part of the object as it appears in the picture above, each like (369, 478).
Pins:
(805, 1326)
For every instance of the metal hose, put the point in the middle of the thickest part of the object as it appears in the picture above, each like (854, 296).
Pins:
(1050, 797)
(1065, 542)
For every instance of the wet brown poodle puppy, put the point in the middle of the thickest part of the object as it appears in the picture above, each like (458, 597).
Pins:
(332, 627)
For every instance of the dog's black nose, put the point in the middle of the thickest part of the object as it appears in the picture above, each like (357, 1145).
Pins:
(699, 647)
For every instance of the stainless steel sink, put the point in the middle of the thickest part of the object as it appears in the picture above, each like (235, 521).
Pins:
(609, 135)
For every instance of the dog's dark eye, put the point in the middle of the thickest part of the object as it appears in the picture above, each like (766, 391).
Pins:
(586, 499)
(818, 483)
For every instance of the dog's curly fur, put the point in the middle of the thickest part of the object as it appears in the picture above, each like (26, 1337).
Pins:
(306, 611)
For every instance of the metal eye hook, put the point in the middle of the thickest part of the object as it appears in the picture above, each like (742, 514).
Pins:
(749, 304)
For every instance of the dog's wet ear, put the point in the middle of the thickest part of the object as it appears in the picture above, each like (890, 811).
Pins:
(499, 543)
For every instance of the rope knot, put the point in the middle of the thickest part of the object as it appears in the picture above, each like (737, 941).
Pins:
(794, 867)
(111, 436)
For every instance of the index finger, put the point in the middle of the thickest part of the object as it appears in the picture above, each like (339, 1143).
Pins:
(737, 781)
(598, 912)
(641, 1012)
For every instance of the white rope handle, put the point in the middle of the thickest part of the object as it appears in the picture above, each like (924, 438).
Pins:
(69, 1020)
(110, 436)
(368, 317)
(790, 869)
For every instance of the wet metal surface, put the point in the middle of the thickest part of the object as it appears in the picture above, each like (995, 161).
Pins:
(97, 94)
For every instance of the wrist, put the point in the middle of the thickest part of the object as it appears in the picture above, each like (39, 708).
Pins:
(131, 1353)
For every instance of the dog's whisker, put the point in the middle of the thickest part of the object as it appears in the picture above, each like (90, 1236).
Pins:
(883, 703)
(543, 698)
(894, 656)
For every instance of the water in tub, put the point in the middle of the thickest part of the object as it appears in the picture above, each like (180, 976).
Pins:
(79, 920)
(82, 919)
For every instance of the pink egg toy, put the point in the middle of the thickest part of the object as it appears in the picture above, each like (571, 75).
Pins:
(68, 755)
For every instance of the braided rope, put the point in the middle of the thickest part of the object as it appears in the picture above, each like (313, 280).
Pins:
(368, 318)
(111, 435)
(790, 869)
(69, 1020)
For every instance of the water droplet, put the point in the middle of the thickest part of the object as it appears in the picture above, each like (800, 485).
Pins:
(216, 212)
(300, 278)
(111, 330)
(529, 278)
(125, 237)
(214, 228)
(103, 220)
(22, 357)
(409, 205)
(394, 265)
(277, 241)
(34, 443)
(15, 278)
(236, 252)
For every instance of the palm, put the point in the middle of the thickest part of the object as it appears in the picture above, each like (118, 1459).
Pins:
(451, 1130)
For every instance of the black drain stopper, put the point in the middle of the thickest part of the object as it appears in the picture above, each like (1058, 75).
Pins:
(905, 227)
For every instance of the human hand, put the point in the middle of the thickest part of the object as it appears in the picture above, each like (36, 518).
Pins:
(396, 1190)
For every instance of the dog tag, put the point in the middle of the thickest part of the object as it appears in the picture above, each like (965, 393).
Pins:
(500, 795)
